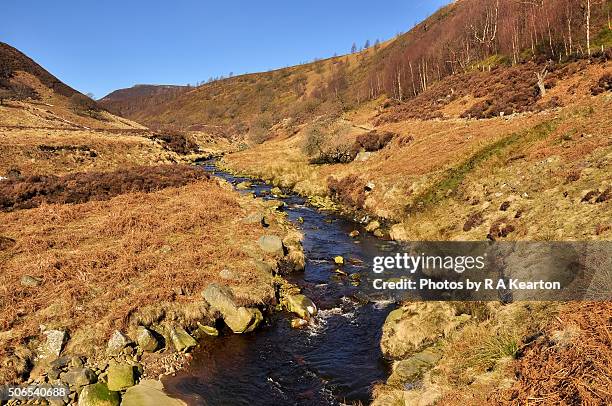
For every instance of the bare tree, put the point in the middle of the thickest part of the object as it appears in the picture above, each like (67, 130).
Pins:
(487, 33)
(541, 77)
(588, 26)
(316, 137)
(354, 48)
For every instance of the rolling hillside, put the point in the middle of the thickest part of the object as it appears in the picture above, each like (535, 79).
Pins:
(455, 43)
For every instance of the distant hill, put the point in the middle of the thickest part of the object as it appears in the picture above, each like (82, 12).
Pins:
(126, 102)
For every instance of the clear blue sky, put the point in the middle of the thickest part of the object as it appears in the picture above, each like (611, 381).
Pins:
(100, 46)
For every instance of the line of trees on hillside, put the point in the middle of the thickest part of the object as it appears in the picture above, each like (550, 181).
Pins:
(480, 34)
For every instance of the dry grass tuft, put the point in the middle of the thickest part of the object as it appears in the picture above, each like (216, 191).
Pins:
(568, 369)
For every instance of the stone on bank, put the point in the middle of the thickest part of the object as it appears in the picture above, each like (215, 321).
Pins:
(146, 340)
(98, 394)
(271, 244)
(181, 340)
(149, 393)
(239, 319)
(120, 377)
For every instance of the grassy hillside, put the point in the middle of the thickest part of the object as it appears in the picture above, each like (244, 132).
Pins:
(30, 96)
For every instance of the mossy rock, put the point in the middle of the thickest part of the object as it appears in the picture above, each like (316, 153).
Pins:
(120, 377)
(301, 306)
(149, 393)
(98, 394)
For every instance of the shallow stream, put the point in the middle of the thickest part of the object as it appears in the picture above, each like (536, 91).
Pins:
(333, 361)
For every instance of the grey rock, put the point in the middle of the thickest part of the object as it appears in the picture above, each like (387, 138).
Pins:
(146, 339)
(76, 362)
(181, 340)
(61, 362)
(413, 368)
(54, 373)
(363, 156)
(227, 274)
(243, 185)
(78, 377)
(149, 392)
(204, 330)
(30, 281)
(301, 305)
(117, 343)
(271, 244)
(120, 377)
(256, 319)
(239, 319)
(56, 339)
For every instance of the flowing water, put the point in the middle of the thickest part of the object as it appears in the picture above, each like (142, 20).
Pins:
(333, 361)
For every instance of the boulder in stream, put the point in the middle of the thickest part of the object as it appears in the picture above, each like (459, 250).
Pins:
(244, 185)
(301, 305)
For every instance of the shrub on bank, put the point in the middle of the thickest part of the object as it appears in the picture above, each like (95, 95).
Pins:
(349, 191)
